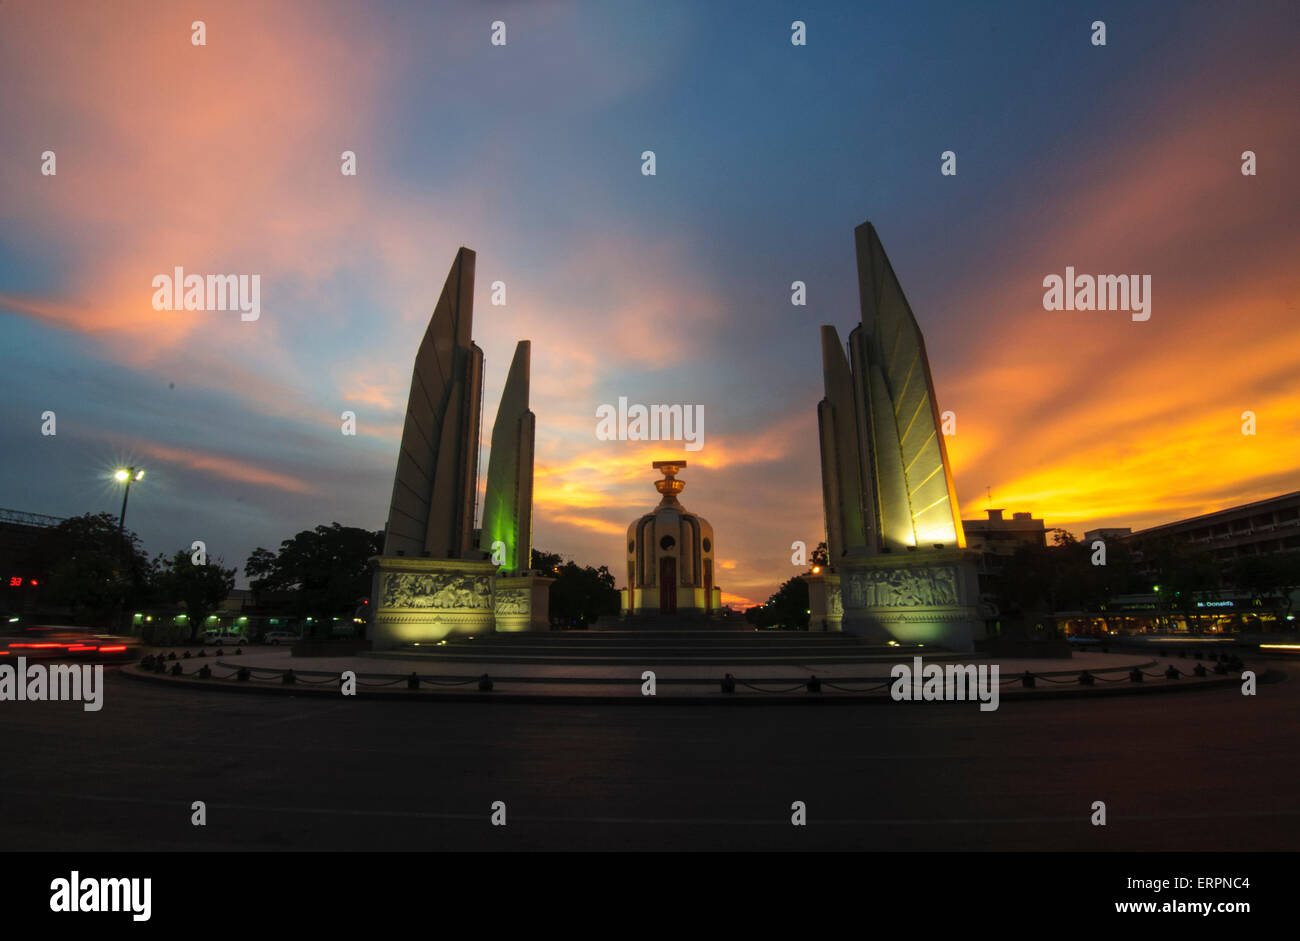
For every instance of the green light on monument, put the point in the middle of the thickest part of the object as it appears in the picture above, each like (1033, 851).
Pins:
(508, 496)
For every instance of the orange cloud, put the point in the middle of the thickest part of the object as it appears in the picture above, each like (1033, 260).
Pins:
(382, 395)
(236, 469)
(585, 522)
(1087, 417)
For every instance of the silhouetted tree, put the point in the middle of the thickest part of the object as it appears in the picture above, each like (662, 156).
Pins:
(788, 608)
(547, 563)
(92, 571)
(1270, 578)
(1182, 570)
(327, 569)
(201, 588)
(580, 594)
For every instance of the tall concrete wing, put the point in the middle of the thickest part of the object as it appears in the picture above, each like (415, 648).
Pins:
(508, 502)
(917, 501)
(842, 480)
(899, 572)
(432, 510)
(889, 513)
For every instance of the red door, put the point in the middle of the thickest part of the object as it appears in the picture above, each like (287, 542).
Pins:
(667, 585)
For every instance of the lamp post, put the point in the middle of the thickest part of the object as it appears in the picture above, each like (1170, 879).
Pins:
(125, 475)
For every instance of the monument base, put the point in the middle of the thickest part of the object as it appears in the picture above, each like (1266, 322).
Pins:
(522, 602)
(421, 601)
(688, 600)
(825, 613)
(926, 597)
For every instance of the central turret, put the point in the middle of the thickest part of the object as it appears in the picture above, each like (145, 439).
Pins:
(670, 555)
(670, 486)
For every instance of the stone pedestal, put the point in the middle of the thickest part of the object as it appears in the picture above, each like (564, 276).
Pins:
(522, 602)
(825, 613)
(925, 597)
(420, 601)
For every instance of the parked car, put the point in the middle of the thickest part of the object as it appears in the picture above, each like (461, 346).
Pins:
(220, 638)
(275, 638)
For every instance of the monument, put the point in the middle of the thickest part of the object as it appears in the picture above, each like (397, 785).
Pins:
(670, 556)
(521, 596)
(899, 569)
(433, 578)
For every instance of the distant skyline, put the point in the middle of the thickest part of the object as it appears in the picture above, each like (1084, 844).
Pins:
(667, 289)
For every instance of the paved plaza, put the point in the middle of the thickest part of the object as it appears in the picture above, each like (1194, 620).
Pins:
(1209, 770)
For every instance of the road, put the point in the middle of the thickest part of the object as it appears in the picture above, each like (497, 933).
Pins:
(1196, 771)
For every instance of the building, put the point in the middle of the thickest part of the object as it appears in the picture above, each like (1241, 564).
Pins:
(21, 565)
(997, 539)
(1260, 528)
(1265, 526)
(1107, 534)
(999, 536)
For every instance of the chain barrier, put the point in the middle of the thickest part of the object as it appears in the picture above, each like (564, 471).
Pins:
(845, 689)
(415, 681)
(760, 690)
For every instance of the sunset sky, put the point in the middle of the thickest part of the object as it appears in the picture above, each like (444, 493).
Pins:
(666, 289)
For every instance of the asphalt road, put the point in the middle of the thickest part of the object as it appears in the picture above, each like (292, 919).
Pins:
(1194, 771)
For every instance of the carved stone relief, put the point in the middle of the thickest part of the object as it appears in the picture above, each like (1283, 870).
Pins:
(448, 592)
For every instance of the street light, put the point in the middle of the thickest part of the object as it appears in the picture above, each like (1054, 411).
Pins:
(125, 475)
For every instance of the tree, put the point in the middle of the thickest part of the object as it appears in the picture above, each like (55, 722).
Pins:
(201, 588)
(547, 562)
(787, 609)
(821, 555)
(1271, 579)
(580, 594)
(1038, 581)
(1182, 571)
(327, 569)
(1101, 583)
(92, 570)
